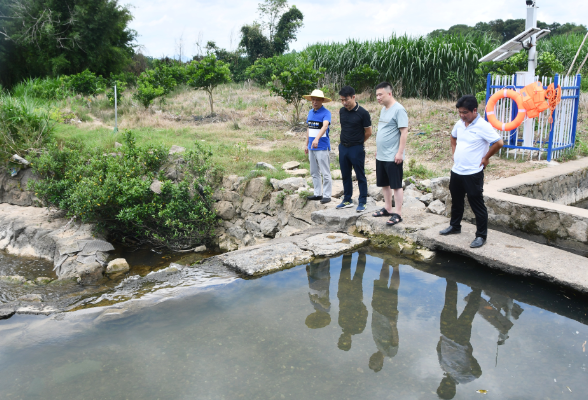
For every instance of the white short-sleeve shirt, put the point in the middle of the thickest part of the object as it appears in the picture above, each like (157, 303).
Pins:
(473, 143)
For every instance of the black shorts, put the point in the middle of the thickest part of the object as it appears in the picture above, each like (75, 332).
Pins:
(388, 173)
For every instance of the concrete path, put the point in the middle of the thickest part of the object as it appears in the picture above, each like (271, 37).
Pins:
(513, 255)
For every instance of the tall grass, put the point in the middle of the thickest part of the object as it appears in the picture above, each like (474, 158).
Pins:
(441, 67)
(25, 126)
(565, 47)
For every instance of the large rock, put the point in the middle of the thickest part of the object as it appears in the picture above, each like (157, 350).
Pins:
(440, 187)
(156, 186)
(287, 231)
(413, 221)
(225, 210)
(231, 182)
(330, 244)
(269, 226)
(290, 165)
(412, 202)
(375, 192)
(256, 188)
(339, 220)
(427, 198)
(265, 259)
(116, 266)
(337, 188)
(13, 189)
(436, 207)
(89, 273)
(288, 184)
(298, 172)
(413, 193)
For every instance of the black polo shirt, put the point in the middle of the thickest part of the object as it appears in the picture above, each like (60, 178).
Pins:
(353, 124)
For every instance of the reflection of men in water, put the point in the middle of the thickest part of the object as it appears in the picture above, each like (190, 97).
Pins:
(319, 278)
(385, 316)
(454, 348)
(352, 312)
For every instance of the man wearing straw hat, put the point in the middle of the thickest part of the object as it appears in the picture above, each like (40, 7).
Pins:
(318, 146)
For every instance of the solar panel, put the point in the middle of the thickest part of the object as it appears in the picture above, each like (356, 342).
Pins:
(513, 46)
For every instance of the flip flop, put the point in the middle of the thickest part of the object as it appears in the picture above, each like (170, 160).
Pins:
(382, 213)
(394, 219)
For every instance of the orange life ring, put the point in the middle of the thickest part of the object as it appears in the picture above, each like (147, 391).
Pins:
(501, 94)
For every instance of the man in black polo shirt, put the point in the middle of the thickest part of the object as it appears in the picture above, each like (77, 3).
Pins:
(356, 128)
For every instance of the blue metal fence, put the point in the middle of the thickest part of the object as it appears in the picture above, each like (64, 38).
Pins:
(549, 139)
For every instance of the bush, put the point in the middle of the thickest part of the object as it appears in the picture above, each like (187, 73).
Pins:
(263, 69)
(25, 126)
(146, 92)
(362, 78)
(114, 192)
(85, 83)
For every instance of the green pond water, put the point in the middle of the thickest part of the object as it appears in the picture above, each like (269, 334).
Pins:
(369, 325)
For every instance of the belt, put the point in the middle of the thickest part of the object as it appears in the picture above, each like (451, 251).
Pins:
(351, 144)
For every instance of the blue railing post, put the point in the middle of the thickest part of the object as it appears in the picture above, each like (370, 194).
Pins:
(550, 145)
(488, 83)
(575, 120)
(512, 138)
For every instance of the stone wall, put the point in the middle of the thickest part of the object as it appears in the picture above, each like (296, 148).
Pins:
(565, 189)
(254, 211)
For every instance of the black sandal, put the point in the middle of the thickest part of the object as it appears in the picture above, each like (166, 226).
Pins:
(394, 219)
(382, 213)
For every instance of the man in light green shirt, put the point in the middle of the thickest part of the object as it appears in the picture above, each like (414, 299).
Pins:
(390, 144)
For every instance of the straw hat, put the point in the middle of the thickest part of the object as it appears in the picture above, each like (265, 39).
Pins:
(317, 93)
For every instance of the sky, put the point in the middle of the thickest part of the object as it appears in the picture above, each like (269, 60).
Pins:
(161, 23)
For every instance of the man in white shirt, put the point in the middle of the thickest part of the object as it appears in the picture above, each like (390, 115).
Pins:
(473, 142)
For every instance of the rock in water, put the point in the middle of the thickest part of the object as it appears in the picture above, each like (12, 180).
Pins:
(117, 265)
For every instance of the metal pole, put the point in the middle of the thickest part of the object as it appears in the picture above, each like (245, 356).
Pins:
(532, 23)
(550, 144)
(115, 111)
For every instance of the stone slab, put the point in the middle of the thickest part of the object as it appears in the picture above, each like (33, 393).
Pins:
(264, 259)
(413, 221)
(340, 220)
(514, 255)
(330, 244)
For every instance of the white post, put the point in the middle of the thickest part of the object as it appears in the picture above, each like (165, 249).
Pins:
(115, 110)
(527, 78)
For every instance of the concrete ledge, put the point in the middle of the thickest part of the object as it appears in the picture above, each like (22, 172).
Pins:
(514, 255)
(543, 221)
(413, 221)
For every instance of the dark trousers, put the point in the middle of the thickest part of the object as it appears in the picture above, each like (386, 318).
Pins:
(473, 186)
(353, 157)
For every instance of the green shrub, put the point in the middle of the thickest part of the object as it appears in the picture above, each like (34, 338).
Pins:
(146, 93)
(262, 71)
(114, 192)
(85, 83)
(25, 126)
(120, 88)
(362, 78)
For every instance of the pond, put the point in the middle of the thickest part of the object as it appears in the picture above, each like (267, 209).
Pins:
(367, 325)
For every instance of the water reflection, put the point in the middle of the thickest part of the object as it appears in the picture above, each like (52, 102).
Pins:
(454, 348)
(319, 279)
(385, 316)
(352, 312)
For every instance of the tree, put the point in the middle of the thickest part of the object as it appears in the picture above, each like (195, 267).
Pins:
(362, 78)
(207, 75)
(56, 37)
(281, 24)
(299, 79)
